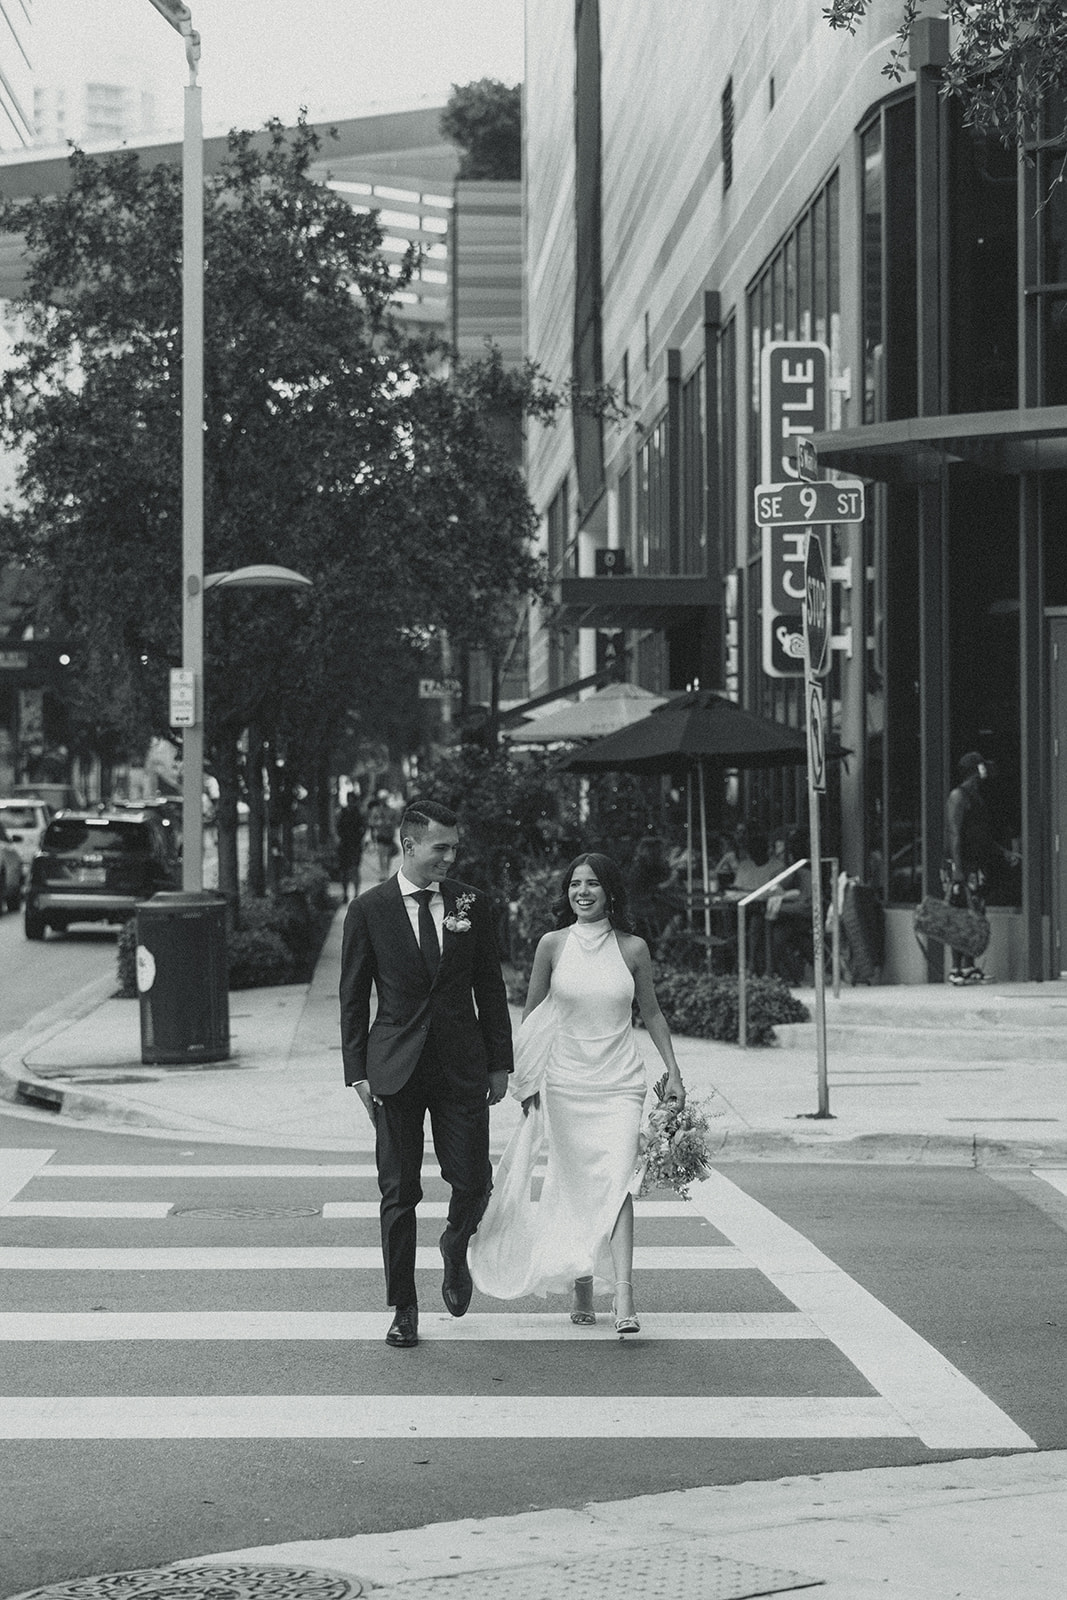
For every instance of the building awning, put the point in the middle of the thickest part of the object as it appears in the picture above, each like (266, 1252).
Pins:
(632, 602)
(915, 449)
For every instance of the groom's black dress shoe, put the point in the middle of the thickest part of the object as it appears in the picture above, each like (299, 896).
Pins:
(404, 1329)
(457, 1288)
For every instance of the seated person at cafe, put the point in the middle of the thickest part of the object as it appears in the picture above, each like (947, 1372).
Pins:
(788, 911)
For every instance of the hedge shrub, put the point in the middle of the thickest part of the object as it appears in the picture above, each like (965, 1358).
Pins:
(276, 940)
(704, 1007)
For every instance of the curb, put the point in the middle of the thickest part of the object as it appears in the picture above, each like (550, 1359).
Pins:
(17, 1084)
(931, 1149)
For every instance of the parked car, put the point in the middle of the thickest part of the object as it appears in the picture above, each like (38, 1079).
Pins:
(95, 866)
(10, 873)
(55, 795)
(25, 821)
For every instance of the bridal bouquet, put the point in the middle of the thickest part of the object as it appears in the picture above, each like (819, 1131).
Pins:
(674, 1145)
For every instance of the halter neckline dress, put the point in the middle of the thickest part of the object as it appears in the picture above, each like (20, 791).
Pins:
(578, 1048)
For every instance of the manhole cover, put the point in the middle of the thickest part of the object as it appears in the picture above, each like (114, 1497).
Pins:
(658, 1572)
(246, 1211)
(204, 1583)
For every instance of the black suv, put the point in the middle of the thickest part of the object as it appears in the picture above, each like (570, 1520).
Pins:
(94, 866)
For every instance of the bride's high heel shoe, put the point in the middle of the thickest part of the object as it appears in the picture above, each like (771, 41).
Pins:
(626, 1324)
(583, 1315)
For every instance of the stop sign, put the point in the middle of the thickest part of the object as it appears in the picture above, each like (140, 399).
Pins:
(816, 608)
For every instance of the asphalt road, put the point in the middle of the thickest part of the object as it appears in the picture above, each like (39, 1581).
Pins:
(743, 1381)
(34, 974)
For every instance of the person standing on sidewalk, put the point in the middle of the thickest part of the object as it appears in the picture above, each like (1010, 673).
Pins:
(970, 850)
(440, 1042)
(350, 830)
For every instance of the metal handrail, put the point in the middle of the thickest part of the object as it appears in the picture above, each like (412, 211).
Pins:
(761, 893)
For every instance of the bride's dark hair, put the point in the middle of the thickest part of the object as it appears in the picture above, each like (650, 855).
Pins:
(611, 881)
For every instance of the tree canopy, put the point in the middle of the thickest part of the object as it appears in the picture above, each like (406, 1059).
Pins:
(335, 442)
(484, 119)
(1008, 57)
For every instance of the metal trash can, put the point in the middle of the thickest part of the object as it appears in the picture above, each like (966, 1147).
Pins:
(183, 979)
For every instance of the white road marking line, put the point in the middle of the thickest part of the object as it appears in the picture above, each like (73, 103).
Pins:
(17, 1167)
(1057, 1176)
(946, 1410)
(224, 1258)
(141, 1209)
(433, 1416)
(362, 1169)
(475, 1327)
(656, 1209)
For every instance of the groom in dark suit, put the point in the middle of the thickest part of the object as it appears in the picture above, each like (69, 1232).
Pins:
(425, 942)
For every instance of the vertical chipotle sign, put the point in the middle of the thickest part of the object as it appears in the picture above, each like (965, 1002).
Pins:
(794, 388)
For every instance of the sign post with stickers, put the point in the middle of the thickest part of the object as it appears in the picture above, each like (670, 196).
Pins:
(817, 623)
(794, 390)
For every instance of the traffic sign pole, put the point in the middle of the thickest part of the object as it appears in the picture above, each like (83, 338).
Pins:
(816, 661)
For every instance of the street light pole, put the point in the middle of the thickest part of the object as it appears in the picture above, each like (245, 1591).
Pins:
(180, 17)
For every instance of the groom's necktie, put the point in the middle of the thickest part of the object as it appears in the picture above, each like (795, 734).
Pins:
(431, 950)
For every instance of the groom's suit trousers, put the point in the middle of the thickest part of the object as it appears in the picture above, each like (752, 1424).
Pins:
(460, 1128)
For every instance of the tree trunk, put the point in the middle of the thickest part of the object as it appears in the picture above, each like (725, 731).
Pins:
(226, 771)
(323, 809)
(275, 866)
(257, 878)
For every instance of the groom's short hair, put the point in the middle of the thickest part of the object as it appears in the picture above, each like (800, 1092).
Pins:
(420, 813)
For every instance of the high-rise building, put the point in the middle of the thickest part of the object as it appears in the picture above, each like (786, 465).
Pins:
(16, 74)
(94, 112)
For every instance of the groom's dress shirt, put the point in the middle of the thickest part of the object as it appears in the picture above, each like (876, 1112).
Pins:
(437, 906)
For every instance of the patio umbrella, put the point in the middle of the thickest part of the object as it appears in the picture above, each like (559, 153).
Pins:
(607, 711)
(692, 730)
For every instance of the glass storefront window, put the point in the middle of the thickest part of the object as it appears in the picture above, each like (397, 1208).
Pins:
(871, 158)
(983, 302)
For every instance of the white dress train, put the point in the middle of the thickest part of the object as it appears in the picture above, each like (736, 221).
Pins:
(578, 1049)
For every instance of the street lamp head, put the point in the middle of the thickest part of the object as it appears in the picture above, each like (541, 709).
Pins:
(181, 18)
(178, 15)
(262, 576)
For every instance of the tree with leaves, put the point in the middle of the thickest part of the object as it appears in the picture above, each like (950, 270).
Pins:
(335, 442)
(485, 120)
(1008, 58)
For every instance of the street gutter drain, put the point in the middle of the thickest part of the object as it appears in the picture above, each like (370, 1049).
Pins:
(660, 1573)
(204, 1583)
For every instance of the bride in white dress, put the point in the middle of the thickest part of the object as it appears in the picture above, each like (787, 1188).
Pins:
(581, 1081)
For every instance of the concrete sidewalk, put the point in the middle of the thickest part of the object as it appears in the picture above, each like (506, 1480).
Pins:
(915, 1073)
(992, 1529)
(931, 1074)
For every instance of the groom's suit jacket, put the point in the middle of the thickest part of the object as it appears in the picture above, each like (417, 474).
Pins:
(380, 948)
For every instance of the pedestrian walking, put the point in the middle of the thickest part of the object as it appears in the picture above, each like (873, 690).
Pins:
(970, 851)
(351, 826)
(440, 1042)
(382, 821)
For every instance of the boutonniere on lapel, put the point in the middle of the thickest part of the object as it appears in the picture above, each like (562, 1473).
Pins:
(458, 921)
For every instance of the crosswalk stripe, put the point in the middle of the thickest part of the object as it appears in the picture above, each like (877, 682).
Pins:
(275, 1258)
(475, 1327)
(100, 1209)
(17, 1167)
(336, 1169)
(332, 1210)
(362, 1209)
(945, 1409)
(435, 1416)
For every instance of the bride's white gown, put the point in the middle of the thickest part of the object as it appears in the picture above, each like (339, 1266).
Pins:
(578, 1049)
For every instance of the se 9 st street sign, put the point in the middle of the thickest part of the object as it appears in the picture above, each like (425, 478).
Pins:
(787, 504)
